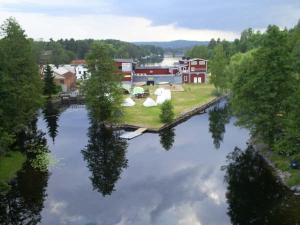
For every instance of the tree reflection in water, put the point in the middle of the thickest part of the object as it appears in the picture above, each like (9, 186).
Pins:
(23, 202)
(51, 115)
(255, 196)
(167, 138)
(219, 116)
(105, 155)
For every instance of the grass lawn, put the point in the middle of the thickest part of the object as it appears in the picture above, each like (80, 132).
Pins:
(283, 164)
(192, 96)
(10, 164)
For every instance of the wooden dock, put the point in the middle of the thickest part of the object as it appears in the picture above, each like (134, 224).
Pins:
(133, 134)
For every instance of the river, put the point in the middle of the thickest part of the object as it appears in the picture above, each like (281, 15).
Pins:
(192, 174)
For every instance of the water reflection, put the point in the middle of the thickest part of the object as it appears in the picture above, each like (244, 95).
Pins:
(105, 155)
(51, 115)
(219, 116)
(167, 138)
(255, 196)
(24, 201)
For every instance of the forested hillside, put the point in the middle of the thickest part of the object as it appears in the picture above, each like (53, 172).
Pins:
(64, 51)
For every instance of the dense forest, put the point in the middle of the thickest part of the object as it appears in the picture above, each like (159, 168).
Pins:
(261, 73)
(64, 51)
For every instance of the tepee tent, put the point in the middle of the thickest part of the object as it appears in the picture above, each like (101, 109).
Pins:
(128, 102)
(149, 102)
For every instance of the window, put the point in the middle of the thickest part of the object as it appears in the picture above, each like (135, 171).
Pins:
(193, 63)
(192, 69)
(202, 63)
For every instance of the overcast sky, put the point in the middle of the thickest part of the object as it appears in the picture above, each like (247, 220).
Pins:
(149, 20)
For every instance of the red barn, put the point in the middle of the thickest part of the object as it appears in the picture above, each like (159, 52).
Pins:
(194, 71)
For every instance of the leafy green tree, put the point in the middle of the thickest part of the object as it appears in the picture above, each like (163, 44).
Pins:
(289, 144)
(103, 92)
(217, 67)
(20, 83)
(200, 51)
(263, 84)
(167, 113)
(49, 86)
(296, 56)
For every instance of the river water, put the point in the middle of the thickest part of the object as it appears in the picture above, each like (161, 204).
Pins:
(175, 177)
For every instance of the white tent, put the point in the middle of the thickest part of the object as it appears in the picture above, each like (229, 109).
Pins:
(161, 99)
(163, 96)
(167, 94)
(149, 102)
(159, 91)
(128, 102)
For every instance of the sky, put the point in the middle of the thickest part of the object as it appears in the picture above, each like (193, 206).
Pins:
(149, 20)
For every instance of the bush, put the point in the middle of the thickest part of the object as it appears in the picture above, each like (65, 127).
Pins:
(167, 114)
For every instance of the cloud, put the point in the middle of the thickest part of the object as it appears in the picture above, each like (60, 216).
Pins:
(193, 15)
(107, 26)
(233, 15)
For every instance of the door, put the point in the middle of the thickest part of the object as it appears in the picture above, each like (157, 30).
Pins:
(195, 80)
(199, 80)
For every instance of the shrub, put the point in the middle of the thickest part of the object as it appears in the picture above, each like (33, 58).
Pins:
(167, 114)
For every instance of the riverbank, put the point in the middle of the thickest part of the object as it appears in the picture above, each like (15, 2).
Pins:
(281, 166)
(185, 103)
(10, 164)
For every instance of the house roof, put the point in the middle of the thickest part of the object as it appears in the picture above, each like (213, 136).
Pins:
(125, 60)
(194, 59)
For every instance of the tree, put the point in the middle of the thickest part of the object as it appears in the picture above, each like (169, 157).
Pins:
(103, 92)
(49, 86)
(200, 51)
(263, 84)
(20, 83)
(289, 143)
(217, 67)
(167, 114)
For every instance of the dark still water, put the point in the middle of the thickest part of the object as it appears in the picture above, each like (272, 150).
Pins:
(164, 179)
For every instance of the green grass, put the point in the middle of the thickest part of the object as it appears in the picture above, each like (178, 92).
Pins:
(192, 96)
(283, 164)
(10, 164)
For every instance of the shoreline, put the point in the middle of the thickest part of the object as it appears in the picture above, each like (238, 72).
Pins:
(183, 117)
(281, 175)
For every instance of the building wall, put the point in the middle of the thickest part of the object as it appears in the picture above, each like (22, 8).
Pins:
(153, 71)
(70, 80)
(186, 78)
(159, 78)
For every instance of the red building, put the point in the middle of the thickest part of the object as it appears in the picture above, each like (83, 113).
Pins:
(193, 70)
(125, 67)
(142, 71)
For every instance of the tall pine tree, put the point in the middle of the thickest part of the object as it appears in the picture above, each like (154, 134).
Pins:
(49, 86)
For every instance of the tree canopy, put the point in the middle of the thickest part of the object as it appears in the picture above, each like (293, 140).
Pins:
(20, 83)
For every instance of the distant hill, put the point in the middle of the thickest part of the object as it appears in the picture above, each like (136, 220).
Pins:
(178, 44)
